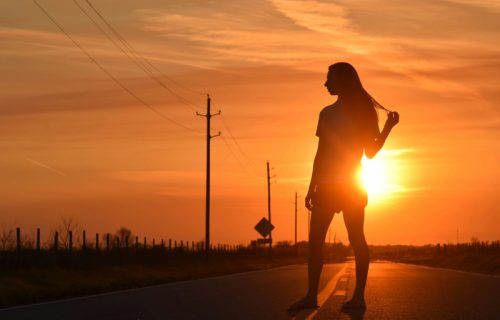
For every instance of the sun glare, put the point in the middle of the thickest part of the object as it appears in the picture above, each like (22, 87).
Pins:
(374, 176)
(380, 176)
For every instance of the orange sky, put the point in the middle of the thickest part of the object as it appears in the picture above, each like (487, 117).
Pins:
(73, 143)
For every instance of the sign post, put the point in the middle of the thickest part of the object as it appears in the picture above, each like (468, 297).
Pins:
(264, 227)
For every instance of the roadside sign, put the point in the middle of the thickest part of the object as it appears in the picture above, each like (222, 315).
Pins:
(264, 227)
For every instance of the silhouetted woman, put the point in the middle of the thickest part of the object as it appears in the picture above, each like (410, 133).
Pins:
(346, 129)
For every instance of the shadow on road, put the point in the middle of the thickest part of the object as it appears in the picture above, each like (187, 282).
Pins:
(301, 314)
(355, 314)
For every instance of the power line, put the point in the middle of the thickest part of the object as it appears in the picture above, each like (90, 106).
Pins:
(232, 137)
(108, 36)
(243, 165)
(137, 55)
(118, 82)
(145, 62)
(238, 145)
(234, 155)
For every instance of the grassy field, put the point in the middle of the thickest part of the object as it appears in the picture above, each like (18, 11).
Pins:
(41, 284)
(473, 257)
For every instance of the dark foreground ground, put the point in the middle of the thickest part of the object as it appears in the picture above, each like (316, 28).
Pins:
(394, 291)
(39, 284)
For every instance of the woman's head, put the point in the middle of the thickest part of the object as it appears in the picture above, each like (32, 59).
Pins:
(343, 80)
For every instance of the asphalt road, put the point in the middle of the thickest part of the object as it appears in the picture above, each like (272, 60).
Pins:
(394, 291)
(401, 291)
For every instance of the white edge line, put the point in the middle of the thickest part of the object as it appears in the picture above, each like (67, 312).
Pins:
(325, 293)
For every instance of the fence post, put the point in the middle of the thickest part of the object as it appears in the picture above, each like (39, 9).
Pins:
(145, 243)
(107, 241)
(162, 244)
(192, 246)
(97, 242)
(70, 244)
(18, 239)
(84, 239)
(153, 243)
(169, 244)
(38, 239)
(126, 243)
(56, 241)
(175, 244)
(136, 243)
(117, 242)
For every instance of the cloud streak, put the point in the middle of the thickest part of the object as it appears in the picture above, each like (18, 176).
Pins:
(47, 167)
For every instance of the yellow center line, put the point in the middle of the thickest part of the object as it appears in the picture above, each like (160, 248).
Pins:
(322, 296)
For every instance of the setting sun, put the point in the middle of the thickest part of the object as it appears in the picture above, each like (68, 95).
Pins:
(374, 176)
(382, 175)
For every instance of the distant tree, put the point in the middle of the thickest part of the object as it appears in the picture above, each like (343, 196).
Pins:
(66, 225)
(474, 241)
(122, 235)
(7, 238)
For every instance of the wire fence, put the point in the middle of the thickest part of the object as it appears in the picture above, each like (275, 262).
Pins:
(82, 250)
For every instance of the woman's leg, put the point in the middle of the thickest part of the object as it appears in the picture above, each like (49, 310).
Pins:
(354, 220)
(320, 221)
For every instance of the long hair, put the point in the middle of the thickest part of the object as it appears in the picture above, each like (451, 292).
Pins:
(362, 105)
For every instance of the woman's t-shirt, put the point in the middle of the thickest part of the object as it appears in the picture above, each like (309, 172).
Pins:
(343, 140)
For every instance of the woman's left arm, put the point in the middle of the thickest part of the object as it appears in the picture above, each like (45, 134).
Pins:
(374, 146)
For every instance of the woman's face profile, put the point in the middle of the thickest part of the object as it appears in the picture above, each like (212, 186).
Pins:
(330, 84)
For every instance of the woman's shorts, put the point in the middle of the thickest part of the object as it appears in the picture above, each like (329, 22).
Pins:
(340, 196)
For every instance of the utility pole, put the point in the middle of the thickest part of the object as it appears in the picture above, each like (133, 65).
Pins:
(295, 222)
(269, 204)
(207, 203)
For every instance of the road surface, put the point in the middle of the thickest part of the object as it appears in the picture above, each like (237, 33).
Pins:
(394, 291)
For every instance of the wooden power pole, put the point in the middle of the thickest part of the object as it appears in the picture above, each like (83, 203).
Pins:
(295, 222)
(269, 204)
(207, 200)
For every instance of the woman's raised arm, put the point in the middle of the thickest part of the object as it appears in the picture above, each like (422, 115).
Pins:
(374, 146)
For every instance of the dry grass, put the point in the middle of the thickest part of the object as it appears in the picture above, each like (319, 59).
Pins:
(466, 257)
(42, 284)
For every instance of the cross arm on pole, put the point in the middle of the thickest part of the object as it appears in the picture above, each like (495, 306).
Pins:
(215, 135)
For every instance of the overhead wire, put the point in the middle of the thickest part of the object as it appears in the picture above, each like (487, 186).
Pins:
(140, 64)
(233, 154)
(245, 156)
(145, 62)
(234, 139)
(243, 164)
(116, 80)
(140, 57)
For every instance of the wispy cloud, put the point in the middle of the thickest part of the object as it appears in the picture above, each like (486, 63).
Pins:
(45, 166)
(314, 32)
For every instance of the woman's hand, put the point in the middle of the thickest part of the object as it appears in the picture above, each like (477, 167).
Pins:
(309, 201)
(392, 119)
